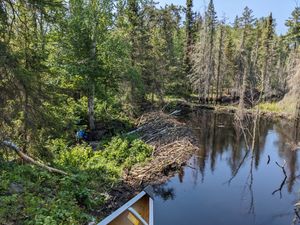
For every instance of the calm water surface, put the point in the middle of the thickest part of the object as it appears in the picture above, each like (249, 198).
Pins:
(218, 187)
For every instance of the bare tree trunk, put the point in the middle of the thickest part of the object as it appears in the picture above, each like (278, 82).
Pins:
(255, 61)
(297, 115)
(263, 78)
(25, 121)
(241, 73)
(219, 61)
(243, 92)
(297, 118)
(211, 64)
(91, 107)
(91, 95)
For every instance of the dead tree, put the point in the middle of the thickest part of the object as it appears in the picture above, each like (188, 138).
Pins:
(28, 159)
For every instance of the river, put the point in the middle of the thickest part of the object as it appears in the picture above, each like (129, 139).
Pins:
(222, 184)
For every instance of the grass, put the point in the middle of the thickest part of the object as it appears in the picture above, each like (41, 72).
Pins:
(271, 107)
(283, 107)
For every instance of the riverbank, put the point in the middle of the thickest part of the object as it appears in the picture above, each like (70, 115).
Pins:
(97, 182)
(173, 142)
(232, 109)
(101, 181)
(169, 137)
(274, 110)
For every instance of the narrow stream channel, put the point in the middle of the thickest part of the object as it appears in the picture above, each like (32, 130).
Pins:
(203, 194)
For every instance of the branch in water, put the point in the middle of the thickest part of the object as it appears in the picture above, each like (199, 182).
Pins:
(28, 159)
(284, 180)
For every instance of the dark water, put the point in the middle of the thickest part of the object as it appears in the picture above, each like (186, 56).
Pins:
(201, 193)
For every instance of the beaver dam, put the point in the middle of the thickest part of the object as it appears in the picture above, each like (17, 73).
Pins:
(201, 172)
(173, 142)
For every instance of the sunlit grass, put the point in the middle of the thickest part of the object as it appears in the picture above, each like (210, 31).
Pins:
(270, 107)
(278, 107)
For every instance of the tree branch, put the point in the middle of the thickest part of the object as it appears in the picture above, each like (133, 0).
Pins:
(28, 159)
(284, 180)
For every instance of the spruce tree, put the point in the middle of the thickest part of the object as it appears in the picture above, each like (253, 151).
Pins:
(293, 23)
(189, 23)
(268, 35)
(244, 58)
(210, 23)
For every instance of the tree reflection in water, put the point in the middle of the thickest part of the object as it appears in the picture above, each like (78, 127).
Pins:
(246, 140)
(234, 173)
(164, 192)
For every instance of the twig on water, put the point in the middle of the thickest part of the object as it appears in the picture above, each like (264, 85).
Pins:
(284, 180)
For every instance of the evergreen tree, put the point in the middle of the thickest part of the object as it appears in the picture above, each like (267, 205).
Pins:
(230, 66)
(244, 58)
(88, 25)
(189, 23)
(22, 45)
(268, 35)
(210, 23)
(293, 23)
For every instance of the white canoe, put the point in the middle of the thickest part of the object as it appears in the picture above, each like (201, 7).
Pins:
(137, 211)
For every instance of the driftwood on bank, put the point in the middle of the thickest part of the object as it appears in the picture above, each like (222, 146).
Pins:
(28, 159)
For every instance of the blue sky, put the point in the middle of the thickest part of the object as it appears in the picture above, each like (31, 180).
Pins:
(281, 9)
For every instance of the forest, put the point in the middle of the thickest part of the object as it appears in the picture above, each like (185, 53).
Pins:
(97, 66)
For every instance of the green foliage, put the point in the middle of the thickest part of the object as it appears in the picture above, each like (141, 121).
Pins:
(77, 157)
(127, 151)
(45, 198)
(293, 23)
(55, 146)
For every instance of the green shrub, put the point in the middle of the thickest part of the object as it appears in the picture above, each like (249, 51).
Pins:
(47, 198)
(43, 199)
(126, 152)
(56, 146)
(76, 157)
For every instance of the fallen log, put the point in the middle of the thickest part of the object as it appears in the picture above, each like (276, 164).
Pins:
(28, 159)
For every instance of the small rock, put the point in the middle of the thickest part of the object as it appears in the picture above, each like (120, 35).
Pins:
(94, 145)
(15, 188)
